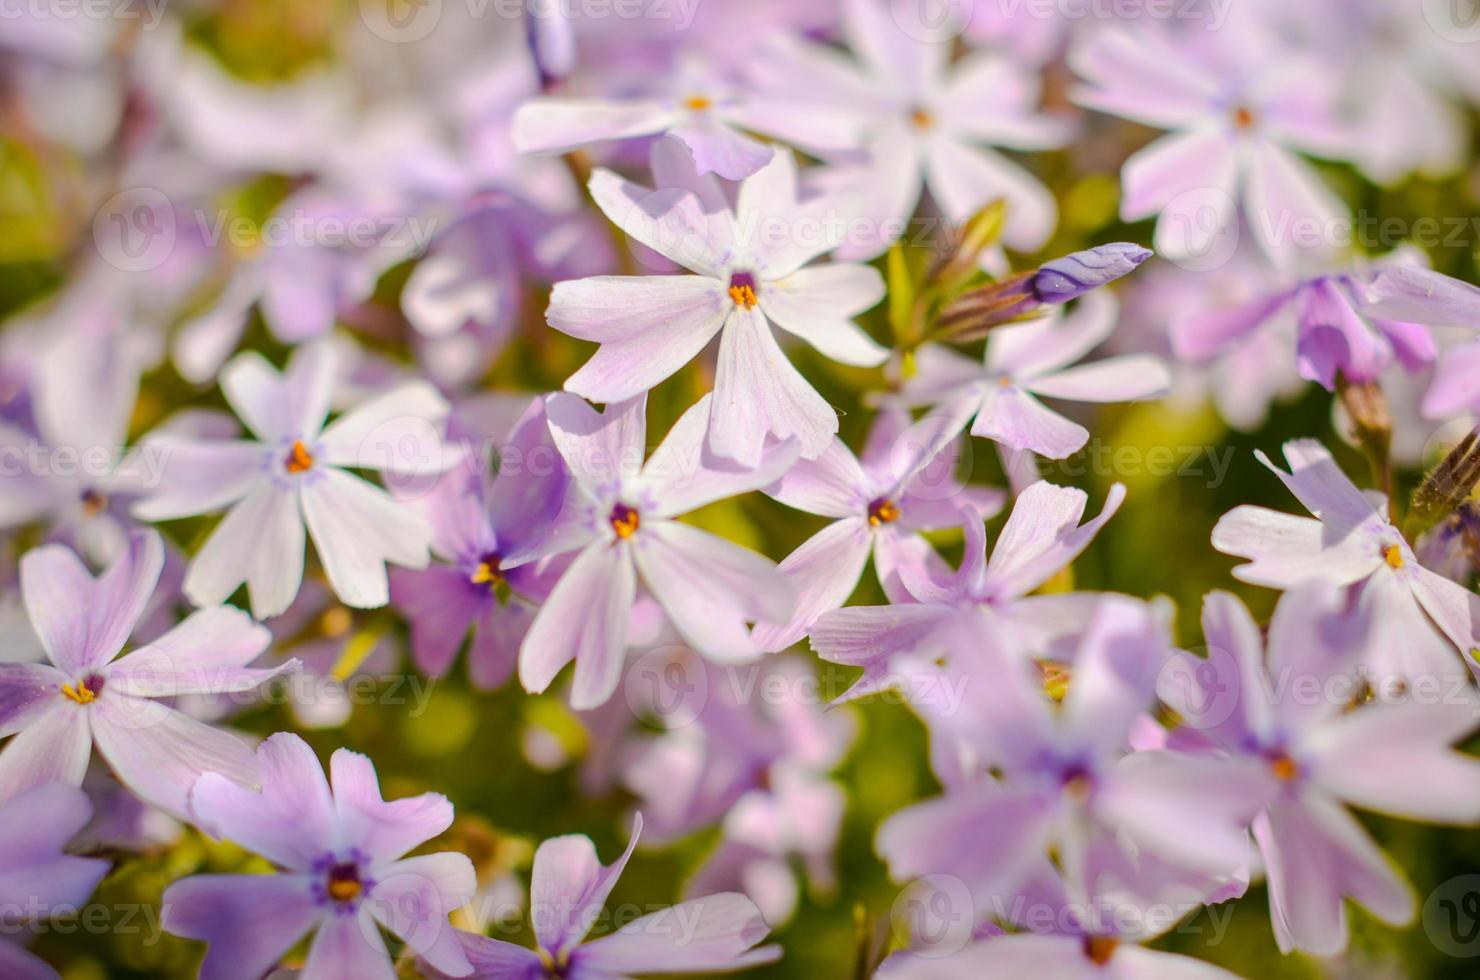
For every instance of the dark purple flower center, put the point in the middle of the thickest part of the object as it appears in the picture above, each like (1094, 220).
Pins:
(343, 883)
(489, 571)
(883, 511)
(624, 520)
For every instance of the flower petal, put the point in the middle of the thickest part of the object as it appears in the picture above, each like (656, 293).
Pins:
(260, 541)
(54, 747)
(383, 830)
(585, 618)
(356, 529)
(818, 304)
(714, 933)
(249, 921)
(823, 570)
(568, 887)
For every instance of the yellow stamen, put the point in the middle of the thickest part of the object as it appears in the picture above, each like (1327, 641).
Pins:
(1243, 118)
(344, 889)
(743, 296)
(624, 521)
(697, 103)
(922, 119)
(1393, 555)
(487, 574)
(1284, 768)
(1099, 949)
(883, 512)
(300, 460)
(336, 622)
(1055, 679)
(82, 694)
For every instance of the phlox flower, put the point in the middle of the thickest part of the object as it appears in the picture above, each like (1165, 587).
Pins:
(84, 696)
(568, 888)
(751, 273)
(620, 516)
(1419, 617)
(1041, 537)
(1294, 714)
(1028, 360)
(1415, 293)
(343, 875)
(293, 473)
(880, 503)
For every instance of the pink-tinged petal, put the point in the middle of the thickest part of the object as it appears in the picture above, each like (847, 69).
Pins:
(17, 963)
(1314, 633)
(710, 587)
(57, 589)
(207, 653)
(677, 479)
(602, 449)
(1139, 963)
(993, 100)
(1395, 758)
(819, 132)
(721, 149)
(885, 191)
(1015, 419)
(1055, 341)
(290, 820)
(37, 875)
(1408, 292)
(397, 432)
(1033, 548)
(568, 887)
(357, 528)
(1115, 379)
(159, 752)
(248, 921)
(824, 570)
(906, 59)
(54, 747)
(495, 959)
(1453, 608)
(585, 618)
(551, 125)
(1140, 76)
(962, 178)
(383, 830)
(441, 606)
(494, 652)
(818, 304)
(413, 898)
(1335, 339)
(348, 946)
(1282, 190)
(118, 599)
(714, 933)
(920, 579)
(1285, 550)
(1412, 343)
(832, 484)
(524, 500)
(1401, 641)
(759, 393)
(1200, 335)
(292, 404)
(26, 691)
(998, 958)
(1456, 386)
(197, 477)
(1176, 166)
(1226, 694)
(648, 328)
(1319, 484)
(871, 636)
(671, 222)
(259, 541)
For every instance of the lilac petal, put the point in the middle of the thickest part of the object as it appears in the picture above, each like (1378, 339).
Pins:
(198, 477)
(206, 653)
(1413, 344)
(568, 888)
(1017, 420)
(990, 98)
(1319, 484)
(818, 304)
(1034, 547)
(249, 921)
(832, 484)
(917, 460)
(602, 449)
(120, 595)
(494, 652)
(648, 327)
(824, 570)
(903, 59)
(395, 431)
(1175, 166)
(551, 125)
(709, 587)
(441, 605)
(1314, 633)
(348, 946)
(1115, 379)
(585, 618)
(678, 480)
(259, 541)
(720, 149)
(1226, 694)
(413, 898)
(1456, 386)
(964, 177)
(871, 636)
(1140, 76)
(1202, 335)
(26, 691)
(921, 582)
(382, 830)
(1454, 608)
(1052, 342)
(357, 529)
(714, 933)
(159, 752)
(1408, 292)
(671, 222)
(495, 959)
(1334, 339)
(290, 821)
(56, 587)
(525, 500)
(1116, 666)
(999, 958)
(759, 393)
(1281, 187)
(1285, 550)
(20, 964)
(1401, 641)
(37, 826)
(54, 747)
(1138, 963)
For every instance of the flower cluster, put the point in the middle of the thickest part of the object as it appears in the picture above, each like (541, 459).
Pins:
(329, 346)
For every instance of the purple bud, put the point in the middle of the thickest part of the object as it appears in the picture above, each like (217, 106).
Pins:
(1074, 275)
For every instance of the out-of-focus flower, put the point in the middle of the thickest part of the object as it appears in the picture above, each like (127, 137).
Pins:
(567, 891)
(1418, 618)
(880, 504)
(1031, 359)
(750, 275)
(1318, 753)
(620, 515)
(57, 711)
(294, 474)
(344, 872)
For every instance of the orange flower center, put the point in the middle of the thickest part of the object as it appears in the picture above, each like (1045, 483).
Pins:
(697, 103)
(883, 511)
(300, 460)
(1243, 118)
(1099, 949)
(1284, 768)
(624, 521)
(1393, 555)
(922, 119)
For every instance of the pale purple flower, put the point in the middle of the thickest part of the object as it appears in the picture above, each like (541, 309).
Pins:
(478, 521)
(568, 888)
(343, 872)
(1072, 276)
(1041, 537)
(1414, 293)
(1237, 103)
(293, 473)
(924, 123)
(621, 516)
(1419, 618)
(1028, 360)
(749, 263)
(83, 696)
(38, 877)
(904, 484)
(1296, 716)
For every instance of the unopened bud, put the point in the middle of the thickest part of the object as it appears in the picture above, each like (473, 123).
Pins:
(1075, 274)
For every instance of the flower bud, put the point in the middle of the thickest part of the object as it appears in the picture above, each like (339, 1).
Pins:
(1075, 274)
